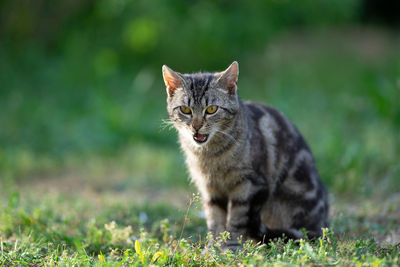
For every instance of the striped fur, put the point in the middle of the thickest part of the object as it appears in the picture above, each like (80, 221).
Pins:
(255, 172)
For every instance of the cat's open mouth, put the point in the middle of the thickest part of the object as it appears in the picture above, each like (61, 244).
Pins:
(200, 138)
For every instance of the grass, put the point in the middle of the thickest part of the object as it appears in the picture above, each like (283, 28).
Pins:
(63, 229)
(88, 177)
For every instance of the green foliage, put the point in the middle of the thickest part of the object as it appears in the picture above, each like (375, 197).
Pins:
(154, 32)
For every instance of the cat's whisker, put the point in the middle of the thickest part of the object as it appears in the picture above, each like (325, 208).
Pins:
(228, 135)
(167, 124)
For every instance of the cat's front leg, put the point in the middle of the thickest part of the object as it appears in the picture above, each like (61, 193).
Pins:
(237, 222)
(243, 218)
(215, 209)
(238, 213)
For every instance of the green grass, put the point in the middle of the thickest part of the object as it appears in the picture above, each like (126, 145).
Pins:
(93, 152)
(67, 229)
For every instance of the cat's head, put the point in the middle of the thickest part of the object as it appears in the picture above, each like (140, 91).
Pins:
(202, 105)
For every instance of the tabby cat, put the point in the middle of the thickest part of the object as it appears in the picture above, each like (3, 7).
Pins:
(254, 170)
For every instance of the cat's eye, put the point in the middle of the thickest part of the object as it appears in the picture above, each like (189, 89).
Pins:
(211, 109)
(185, 109)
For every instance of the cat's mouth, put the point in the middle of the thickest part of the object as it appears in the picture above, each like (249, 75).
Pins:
(200, 138)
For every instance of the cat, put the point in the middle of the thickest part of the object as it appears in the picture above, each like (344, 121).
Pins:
(255, 172)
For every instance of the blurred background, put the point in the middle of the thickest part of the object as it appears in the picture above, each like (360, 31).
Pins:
(82, 98)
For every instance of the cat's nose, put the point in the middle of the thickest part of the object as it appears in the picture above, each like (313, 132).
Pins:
(197, 125)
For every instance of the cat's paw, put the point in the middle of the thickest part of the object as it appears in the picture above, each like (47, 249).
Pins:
(221, 247)
(231, 246)
(210, 246)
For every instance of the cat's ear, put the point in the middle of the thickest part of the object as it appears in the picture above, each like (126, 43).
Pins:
(172, 79)
(228, 78)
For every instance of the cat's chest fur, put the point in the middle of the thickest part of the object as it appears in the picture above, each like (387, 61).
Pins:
(218, 174)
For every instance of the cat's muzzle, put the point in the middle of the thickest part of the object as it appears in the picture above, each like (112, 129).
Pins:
(200, 138)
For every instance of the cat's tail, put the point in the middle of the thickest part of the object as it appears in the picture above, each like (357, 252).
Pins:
(268, 235)
(272, 234)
